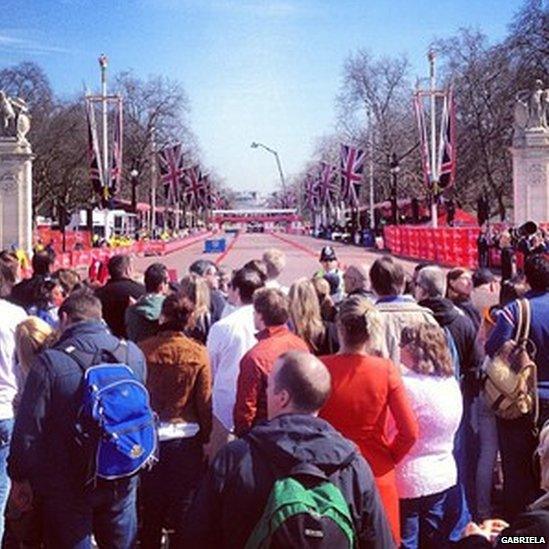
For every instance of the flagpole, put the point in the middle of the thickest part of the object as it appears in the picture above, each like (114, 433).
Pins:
(371, 169)
(103, 63)
(153, 183)
(434, 169)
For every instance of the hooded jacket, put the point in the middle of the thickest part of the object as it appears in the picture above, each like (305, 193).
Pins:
(236, 488)
(141, 319)
(43, 448)
(463, 331)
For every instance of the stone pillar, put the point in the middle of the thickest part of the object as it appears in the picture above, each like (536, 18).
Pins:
(15, 193)
(531, 177)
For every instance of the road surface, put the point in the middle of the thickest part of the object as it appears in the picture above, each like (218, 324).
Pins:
(302, 253)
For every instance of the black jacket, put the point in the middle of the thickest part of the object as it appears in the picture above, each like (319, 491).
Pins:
(115, 298)
(42, 447)
(234, 493)
(463, 331)
(527, 530)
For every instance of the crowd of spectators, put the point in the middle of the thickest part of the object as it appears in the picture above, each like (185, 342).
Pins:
(364, 382)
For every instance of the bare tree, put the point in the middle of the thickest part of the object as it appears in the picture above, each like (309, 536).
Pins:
(484, 92)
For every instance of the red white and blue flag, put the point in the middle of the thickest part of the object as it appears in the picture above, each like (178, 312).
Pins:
(195, 188)
(94, 162)
(447, 150)
(170, 160)
(329, 187)
(116, 164)
(351, 170)
(423, 140)
(312, 192)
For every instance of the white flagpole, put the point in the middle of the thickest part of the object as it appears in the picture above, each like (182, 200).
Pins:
(371, 169)
(434, 171)
(103, 63)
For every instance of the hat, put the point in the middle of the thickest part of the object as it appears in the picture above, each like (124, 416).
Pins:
(328, 254)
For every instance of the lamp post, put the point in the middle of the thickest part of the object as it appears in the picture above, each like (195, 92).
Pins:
(394, 169)
(134, 174)
(255, 145)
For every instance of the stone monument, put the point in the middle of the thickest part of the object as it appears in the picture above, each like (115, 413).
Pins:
(15, 174)
(530, 152)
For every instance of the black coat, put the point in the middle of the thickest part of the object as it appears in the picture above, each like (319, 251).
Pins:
(234, 493)
(115, 298)
(463, 331)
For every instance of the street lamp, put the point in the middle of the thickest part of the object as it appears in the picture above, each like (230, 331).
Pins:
(134, 174)
(394, 169)
(255, 145)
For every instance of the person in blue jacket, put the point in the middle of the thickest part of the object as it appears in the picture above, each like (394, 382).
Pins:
(517, 437)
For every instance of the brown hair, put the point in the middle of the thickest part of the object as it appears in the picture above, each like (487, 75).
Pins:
(359, 322)
(429, 348)
(69, 279)
(196, 289)
(305, 313)
(177, 310)
(387, 276)
(327, 307)
(272, 305)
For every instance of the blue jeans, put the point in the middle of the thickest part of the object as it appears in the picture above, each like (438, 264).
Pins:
(167, 490)
(6, 428)
(488, 442)
(420, 521)
(108, 511)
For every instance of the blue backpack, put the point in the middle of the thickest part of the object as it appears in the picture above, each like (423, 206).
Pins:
(115, 422)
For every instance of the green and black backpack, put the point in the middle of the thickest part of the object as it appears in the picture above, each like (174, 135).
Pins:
(304, 509)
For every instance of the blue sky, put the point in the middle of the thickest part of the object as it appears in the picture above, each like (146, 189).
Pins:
(254, 70)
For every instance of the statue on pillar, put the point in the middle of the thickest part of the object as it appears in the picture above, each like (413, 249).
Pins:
(14, 117)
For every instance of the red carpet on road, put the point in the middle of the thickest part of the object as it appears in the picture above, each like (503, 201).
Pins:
(302, 253)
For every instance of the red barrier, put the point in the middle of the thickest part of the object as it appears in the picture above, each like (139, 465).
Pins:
(453, 246)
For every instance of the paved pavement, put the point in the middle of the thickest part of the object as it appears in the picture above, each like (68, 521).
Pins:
(302, 253)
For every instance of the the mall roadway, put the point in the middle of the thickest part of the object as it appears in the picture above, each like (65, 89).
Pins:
(302, 253)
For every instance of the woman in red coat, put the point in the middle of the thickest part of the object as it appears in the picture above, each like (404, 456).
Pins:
(365, 388)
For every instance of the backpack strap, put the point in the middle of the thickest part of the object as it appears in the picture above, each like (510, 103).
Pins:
(86, 359)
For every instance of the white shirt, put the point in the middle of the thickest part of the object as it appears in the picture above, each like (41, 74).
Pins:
(10, 316)
(430, 467)
(273, 283)
(228, 341)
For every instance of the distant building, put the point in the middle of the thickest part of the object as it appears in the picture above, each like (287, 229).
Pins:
(243, 200)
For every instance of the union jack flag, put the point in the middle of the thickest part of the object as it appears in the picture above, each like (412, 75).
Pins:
(424, 143)
(447, 152)
(312, 192)
(116, 165)
(352, 167)
(195, 187)
(170, 160)
(329, 187)
(94, 163)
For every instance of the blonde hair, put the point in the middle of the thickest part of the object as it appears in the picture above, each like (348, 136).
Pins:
(429, 348)
(195, 288)
(275, 260)
(305, 313)
(359, 322)
(31, 337)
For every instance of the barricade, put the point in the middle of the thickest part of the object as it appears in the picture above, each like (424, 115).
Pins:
(452, 246)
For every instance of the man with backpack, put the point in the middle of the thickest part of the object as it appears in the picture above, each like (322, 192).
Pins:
(517, 436)
(70, 451)
(295, 460)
